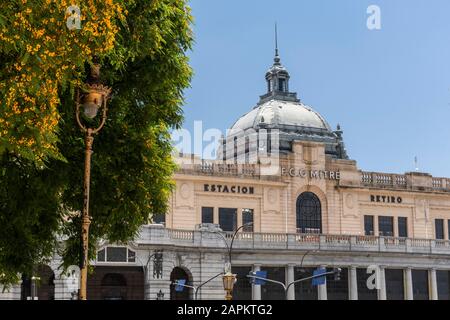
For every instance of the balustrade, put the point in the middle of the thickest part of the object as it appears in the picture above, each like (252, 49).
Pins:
(250, 240)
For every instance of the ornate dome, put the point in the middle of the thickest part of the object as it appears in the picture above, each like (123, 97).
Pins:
(280, 110)
(286, 115)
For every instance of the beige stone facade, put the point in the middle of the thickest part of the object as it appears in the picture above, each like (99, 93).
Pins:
(310, 207)
(419, 197)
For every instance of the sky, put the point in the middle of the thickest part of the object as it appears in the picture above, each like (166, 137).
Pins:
(389, 89)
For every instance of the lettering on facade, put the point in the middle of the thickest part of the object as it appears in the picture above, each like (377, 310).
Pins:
(313, 174)
(385, 199)
(228, 189)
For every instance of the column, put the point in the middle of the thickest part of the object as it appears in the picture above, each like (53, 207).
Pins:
(256, 289)
(408, 284)
(433, 285)
(375, 226)
(353, 283)
(322, 289)
(239, 218)
(395, 226)
(382, 282)
(147, 287)
(16, 293)
(289, 279)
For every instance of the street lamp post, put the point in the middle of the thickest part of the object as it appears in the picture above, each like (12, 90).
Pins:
(230, 247)
(303, 258)
(92, 100)
(234, 236)
(229, 279)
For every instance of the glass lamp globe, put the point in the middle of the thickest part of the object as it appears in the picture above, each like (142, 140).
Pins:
(228, 281)
(91, 104)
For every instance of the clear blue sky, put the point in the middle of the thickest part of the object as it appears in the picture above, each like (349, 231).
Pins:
(389, 89)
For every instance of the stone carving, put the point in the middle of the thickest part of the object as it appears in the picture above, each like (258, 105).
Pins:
(185, 191)
(272, 195)
(310, 155)
(350, 201)
(157, 265)
(185, 195)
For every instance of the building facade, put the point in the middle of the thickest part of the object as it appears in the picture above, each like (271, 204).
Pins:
(284, 179)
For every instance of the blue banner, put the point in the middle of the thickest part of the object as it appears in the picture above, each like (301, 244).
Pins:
(319, 280)
(179, 285)
(261, 274)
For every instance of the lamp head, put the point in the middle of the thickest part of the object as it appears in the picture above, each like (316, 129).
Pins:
(92, 103)
(96, 93)
(229, 280)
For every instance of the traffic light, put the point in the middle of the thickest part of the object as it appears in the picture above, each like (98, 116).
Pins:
(337, 274)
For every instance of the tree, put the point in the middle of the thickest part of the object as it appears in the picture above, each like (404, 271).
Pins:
(142, 48)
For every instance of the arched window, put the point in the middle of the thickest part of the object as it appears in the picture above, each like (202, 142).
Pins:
(116, 254)
(309, 213)
(41, 286)
(281, 85)
(269, 142)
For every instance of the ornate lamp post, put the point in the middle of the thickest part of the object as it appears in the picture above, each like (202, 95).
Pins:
(92, 100)
(229, 279)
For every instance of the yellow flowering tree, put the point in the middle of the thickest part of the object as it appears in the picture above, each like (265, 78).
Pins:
(46, 48)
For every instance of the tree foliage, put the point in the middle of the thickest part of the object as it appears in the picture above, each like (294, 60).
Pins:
(141, 45)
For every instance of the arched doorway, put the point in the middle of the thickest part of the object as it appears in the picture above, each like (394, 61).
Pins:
(41, 287)
(309, 213)
(116, 283)
(180, 274)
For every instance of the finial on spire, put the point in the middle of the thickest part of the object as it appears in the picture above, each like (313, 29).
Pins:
(276, 40)
(277, 57)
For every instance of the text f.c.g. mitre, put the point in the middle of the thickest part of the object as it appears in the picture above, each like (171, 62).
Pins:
(313, 174)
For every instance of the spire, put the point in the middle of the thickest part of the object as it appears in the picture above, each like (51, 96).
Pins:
(277, 57)
(277, 78)
(276, 40)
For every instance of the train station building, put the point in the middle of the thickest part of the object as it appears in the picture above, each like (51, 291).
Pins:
(285, 176)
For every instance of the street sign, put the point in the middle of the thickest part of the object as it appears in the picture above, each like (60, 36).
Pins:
(261, 274)
(180, 285)
(319, 280)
